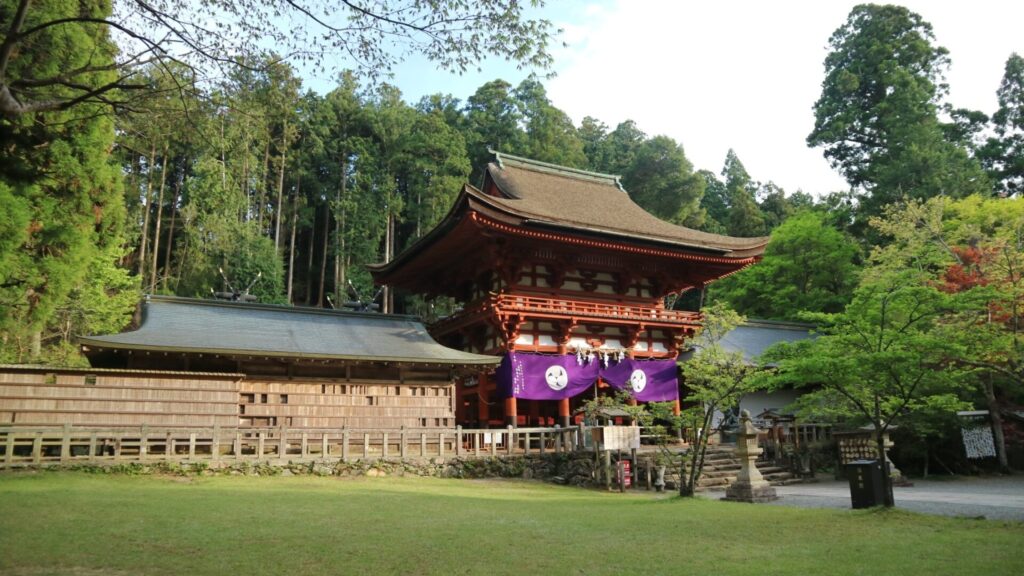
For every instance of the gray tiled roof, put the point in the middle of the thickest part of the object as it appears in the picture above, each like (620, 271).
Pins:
(171, 324)
(755, 336)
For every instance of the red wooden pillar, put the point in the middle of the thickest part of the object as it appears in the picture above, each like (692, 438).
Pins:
(511, 416)
(675, 408)
(563, 412)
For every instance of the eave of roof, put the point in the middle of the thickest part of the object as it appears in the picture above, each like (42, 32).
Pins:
(183, 325)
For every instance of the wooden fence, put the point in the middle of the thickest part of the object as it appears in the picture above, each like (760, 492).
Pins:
(42, 446)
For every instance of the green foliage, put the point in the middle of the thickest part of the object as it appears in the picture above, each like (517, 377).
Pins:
(1003, 153)
(60, 196)
(661, 180)
(715, 379)
(880, 359)
(877, 114)
(808, 266)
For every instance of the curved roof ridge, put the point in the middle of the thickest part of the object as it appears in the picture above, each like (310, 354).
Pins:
(502, 158)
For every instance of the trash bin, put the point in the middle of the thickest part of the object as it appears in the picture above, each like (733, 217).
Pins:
(866, 488)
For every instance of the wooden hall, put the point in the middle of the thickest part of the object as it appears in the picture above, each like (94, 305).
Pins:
(204, 363)
(561, 263)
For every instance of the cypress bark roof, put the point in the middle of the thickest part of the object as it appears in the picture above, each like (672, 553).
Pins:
(186, 325)
(547, 195)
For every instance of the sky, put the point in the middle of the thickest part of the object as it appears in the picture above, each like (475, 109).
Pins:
(740, 74)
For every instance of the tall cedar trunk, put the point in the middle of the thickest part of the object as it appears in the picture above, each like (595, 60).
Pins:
(996, 419)
(156, 229)
(326, 249)
(245, 179)
(170, 232)
(339, 270)
(133, 187)
(309, 259)
(291, 246)
(145, 219)
(263, 185)
(278, 211)
(385, 305)
(223, 158)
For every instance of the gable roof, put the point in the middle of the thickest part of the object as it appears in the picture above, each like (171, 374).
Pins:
(186, 325)
(753, 337)
(546, 195)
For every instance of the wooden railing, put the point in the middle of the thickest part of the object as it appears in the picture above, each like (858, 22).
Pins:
(563, 308)
(541, 305)
(38, 446)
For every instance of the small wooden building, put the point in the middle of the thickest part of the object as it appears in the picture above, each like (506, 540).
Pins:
(558, 268)
(204, 363)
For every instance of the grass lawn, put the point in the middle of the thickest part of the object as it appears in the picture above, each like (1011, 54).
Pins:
(82, 524)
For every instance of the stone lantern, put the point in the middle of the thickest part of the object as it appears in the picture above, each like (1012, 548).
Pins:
(749, 486)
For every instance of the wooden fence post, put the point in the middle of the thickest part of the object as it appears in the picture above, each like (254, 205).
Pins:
(192, 448)
(9, 448)
(237, 445)
(282, 445)
(401, 448)
(458, 440)
(384, 446)
(366, 445)
(65, 444)
(423, 444)
(143, 438)
(509, 441)
(440, 444)
(304, 446)
(37, 448)
(325, 446)
(92, 445)
(558, 438)
(260, 440)
(344, 446)
(214, 445)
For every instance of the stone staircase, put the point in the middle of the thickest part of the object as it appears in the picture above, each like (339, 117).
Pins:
(721, 467)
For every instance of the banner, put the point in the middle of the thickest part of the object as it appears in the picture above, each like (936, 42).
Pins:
(646, 380)
(549, 377)
(540, 377)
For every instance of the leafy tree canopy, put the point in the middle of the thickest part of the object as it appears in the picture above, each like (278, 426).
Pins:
(808, 266)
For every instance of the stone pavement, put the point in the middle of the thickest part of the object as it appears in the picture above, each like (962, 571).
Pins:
(995, 498)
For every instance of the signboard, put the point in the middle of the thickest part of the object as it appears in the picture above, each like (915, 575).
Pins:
(617, 437)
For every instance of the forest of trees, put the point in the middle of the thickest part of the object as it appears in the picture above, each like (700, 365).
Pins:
(126, 170)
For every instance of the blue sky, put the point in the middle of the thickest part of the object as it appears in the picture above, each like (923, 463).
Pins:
(739, 74)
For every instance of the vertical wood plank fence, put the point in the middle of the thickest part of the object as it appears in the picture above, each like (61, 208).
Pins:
(42, 446)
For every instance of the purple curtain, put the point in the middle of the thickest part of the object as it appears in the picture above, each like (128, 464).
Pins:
(546, 377)
(646, 380)
(540, 377)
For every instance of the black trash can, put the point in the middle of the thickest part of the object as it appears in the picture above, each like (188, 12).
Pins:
(866, 488)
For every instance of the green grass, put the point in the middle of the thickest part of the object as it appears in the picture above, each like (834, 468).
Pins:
(82, 524)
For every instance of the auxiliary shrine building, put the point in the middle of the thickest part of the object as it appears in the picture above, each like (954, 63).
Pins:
(564, 277)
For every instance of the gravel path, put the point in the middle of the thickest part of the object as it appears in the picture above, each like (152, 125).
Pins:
(996, 498)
